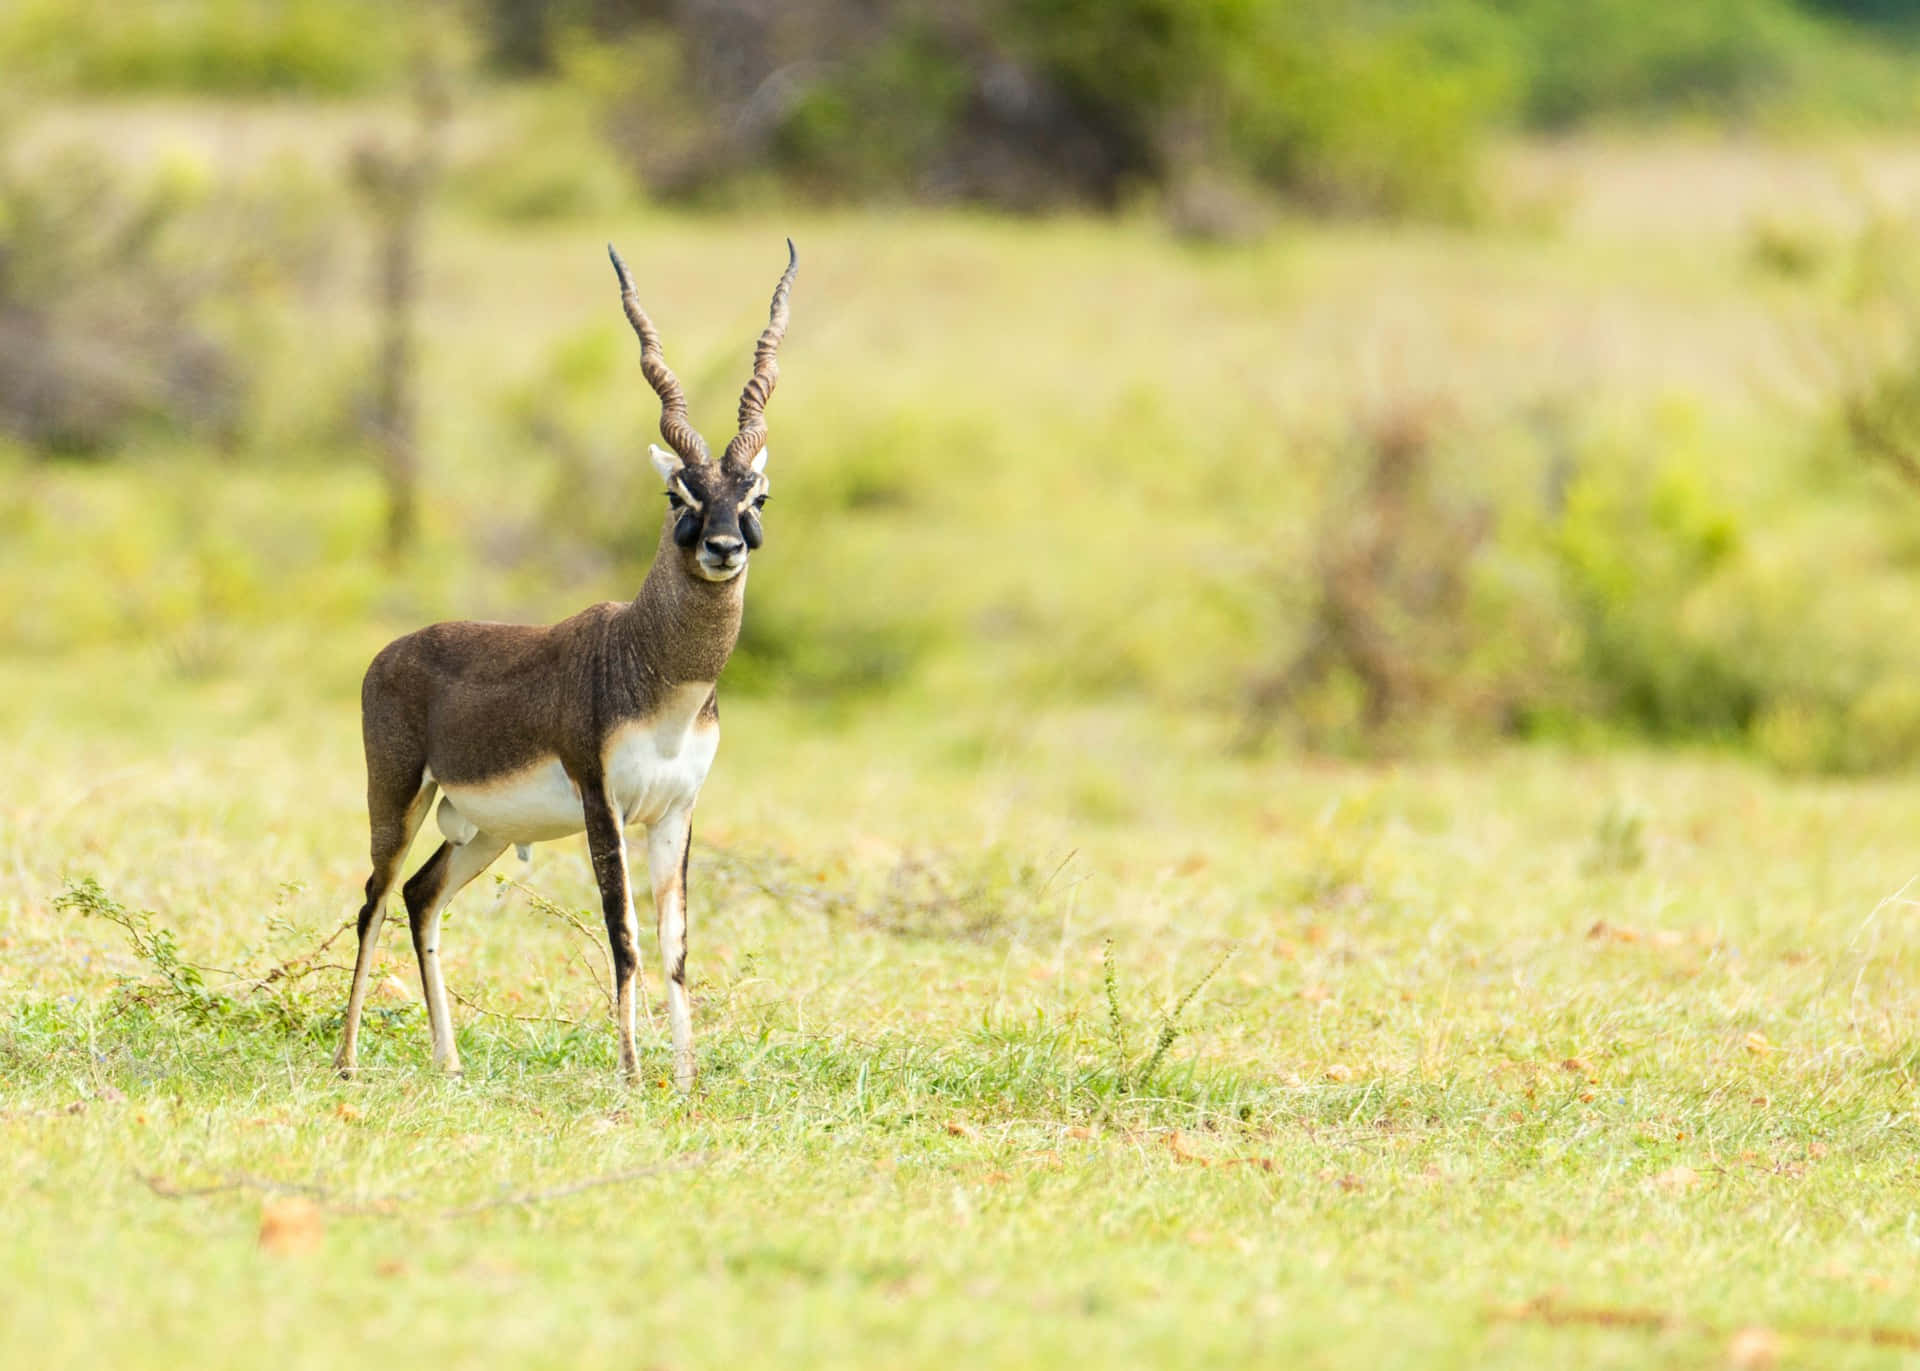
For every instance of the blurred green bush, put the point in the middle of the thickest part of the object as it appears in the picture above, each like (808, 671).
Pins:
(1740, 60)
(131, 303)
(217, 46)
(1636, 599)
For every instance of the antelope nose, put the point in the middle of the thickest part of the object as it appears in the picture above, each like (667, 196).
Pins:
(726, 549)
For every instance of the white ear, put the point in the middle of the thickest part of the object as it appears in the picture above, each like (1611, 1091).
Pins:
(760, 462)
(668, 464)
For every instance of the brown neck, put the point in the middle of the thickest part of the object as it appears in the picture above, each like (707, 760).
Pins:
(685, 627)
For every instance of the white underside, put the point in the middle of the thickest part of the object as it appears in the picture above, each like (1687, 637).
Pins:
(653, 767)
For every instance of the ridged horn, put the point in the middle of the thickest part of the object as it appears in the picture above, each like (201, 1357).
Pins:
(752, 436)
(674, 427)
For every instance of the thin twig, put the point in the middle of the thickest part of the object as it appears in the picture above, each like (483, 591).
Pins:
(166, 1190)
(532, 1197)
(388, 1204)
(293, 968)
(1549, 1311)
(516, 1018)
(553, 909)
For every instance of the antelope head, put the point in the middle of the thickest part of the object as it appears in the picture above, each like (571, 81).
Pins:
(714, 506)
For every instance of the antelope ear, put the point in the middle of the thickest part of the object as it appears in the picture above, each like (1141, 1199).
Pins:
(668, 464)
(760, 462)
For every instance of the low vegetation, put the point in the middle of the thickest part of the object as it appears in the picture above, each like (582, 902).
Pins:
(1514, 1062)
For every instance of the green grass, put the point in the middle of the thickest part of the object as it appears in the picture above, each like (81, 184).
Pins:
(1521, 1057)
(1472, 1051)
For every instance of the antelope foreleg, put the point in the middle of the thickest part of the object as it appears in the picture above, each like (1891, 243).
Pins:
(606, 844)
(668, 842)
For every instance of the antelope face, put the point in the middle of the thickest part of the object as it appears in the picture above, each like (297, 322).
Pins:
(715, 508)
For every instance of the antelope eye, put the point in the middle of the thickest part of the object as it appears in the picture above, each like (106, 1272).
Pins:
(759, 502)
(674, 501)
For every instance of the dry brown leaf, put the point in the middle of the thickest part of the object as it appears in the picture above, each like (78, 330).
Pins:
(346, 1111)
(1257, 1163)
(1180, 1153)
(1758, 1045)
(291, 1224)
(1602, 930)
(1338, 1072)
(962, 1130)
(1576, 1065)
(1677, 1179)
(1548, 1309)
(1754, 1349)
(393, 988)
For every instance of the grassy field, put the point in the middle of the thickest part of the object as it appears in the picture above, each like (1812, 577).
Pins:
(1520, 1056)
(1535, 1059)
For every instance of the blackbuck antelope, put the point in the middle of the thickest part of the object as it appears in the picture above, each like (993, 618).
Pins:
(602, 722)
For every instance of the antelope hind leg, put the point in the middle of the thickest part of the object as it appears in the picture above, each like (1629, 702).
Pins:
(393, 833)
(428, 893)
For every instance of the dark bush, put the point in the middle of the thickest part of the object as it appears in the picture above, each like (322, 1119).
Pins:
(1034, 103)
(103, 289)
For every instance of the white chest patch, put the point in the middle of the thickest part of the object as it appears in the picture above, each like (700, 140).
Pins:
(653, 766)
(659, 764)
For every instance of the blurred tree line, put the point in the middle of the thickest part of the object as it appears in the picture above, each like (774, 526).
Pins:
(1369, 105)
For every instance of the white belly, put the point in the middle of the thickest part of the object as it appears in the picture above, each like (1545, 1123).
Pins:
(653, 766)
(530, 806)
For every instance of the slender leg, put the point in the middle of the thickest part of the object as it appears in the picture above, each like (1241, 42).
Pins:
(428, 893)
(667, 845)
(607, 845)
(393, 834)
